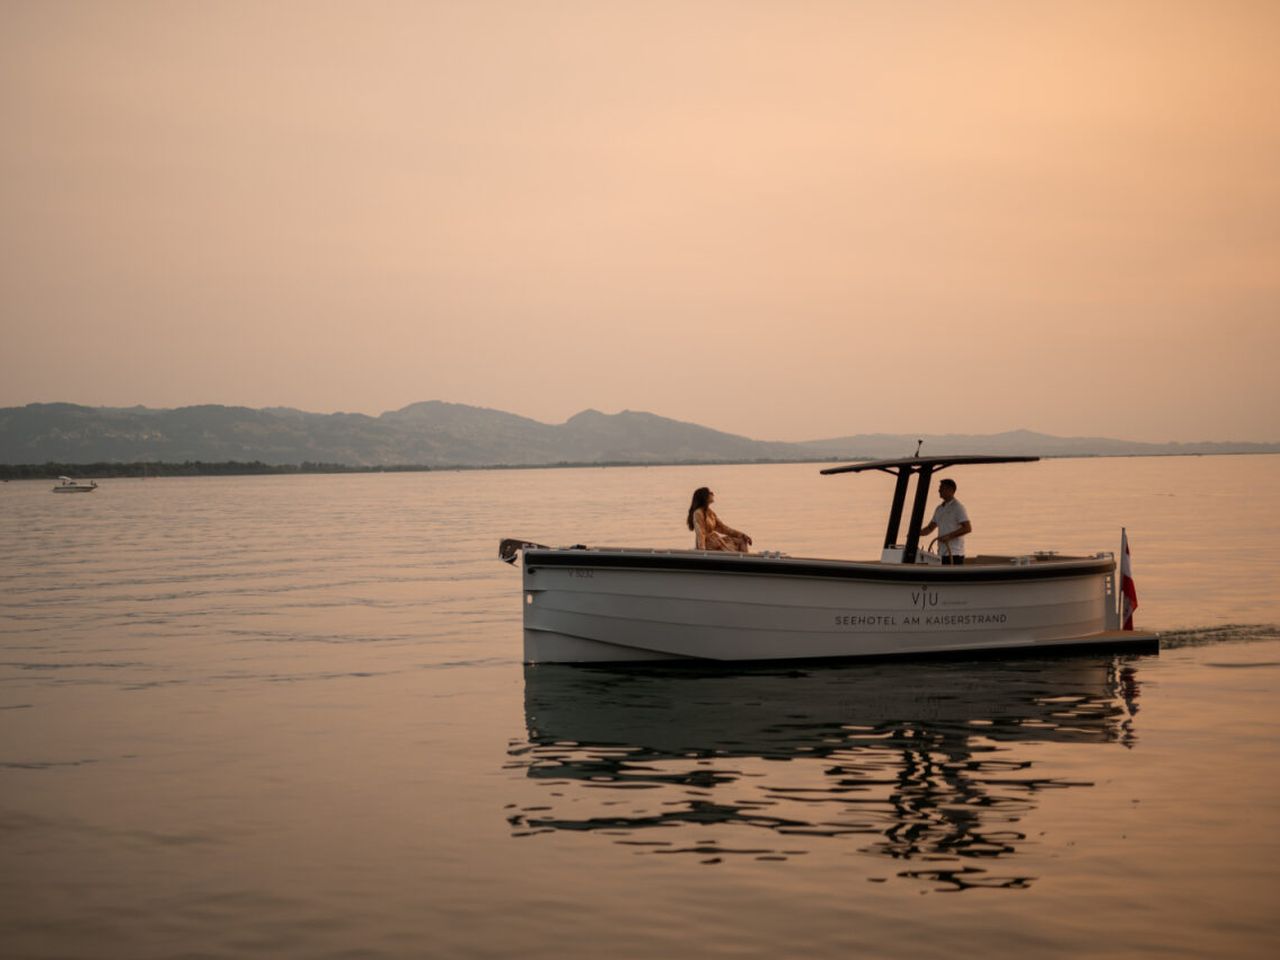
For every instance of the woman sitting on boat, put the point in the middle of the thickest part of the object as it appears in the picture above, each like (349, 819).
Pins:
(710, 532)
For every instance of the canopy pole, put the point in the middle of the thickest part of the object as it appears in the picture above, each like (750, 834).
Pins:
(917, 513)
(895, 511)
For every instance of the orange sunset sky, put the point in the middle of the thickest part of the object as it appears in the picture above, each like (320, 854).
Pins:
(788, 220)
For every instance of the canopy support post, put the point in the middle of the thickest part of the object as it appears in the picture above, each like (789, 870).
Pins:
(925, 476)
(895, 511)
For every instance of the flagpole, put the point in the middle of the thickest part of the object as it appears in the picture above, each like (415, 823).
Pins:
(1128, 592)
(1124, 571)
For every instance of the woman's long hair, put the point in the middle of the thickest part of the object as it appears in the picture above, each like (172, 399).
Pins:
(701, 498)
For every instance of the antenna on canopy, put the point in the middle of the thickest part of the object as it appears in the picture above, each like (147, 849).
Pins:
(919, 444)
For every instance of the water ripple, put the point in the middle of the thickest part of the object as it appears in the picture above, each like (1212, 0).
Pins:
(1227, 633)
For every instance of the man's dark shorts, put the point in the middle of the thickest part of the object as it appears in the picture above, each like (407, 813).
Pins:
(955, 559)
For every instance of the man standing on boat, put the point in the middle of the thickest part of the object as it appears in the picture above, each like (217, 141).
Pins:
(951, 520)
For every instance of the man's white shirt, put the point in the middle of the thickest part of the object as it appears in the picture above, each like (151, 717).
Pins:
(950, 516)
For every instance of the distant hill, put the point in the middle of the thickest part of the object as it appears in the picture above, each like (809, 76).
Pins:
(438, 434)
(1023, 442)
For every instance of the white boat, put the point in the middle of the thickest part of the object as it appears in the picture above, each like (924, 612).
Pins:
(609, 604)
(67, 485)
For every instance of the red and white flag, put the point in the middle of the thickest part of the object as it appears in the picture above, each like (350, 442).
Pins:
(1128, 593)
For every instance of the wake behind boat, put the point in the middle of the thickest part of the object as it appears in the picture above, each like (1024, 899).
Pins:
(67, 485)
(607, 604)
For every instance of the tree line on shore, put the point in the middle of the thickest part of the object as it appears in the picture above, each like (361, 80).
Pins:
(239, 468)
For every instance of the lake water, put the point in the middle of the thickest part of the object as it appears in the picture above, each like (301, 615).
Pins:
(287, 717)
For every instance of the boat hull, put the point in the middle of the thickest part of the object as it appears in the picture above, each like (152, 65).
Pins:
(601, 606)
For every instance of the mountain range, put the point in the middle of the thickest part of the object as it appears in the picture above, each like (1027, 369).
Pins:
(439, 434)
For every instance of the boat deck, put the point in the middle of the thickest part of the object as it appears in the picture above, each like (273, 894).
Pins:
(980, 560)
(998, 560)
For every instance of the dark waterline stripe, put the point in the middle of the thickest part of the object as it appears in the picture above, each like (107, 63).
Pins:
(832, 570)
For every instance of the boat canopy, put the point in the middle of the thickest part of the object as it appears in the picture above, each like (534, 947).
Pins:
(924, 467)
(914, 463)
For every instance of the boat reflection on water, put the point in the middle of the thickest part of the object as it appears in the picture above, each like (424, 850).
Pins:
(910, 761)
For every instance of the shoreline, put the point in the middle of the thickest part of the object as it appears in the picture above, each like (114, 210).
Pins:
(238, 468)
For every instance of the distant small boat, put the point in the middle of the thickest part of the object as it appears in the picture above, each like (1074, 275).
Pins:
(67, 485)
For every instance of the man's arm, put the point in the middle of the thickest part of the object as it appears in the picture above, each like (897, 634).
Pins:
(965, 528)
(929, 529)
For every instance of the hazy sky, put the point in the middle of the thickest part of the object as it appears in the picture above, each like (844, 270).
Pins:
(784, 219)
